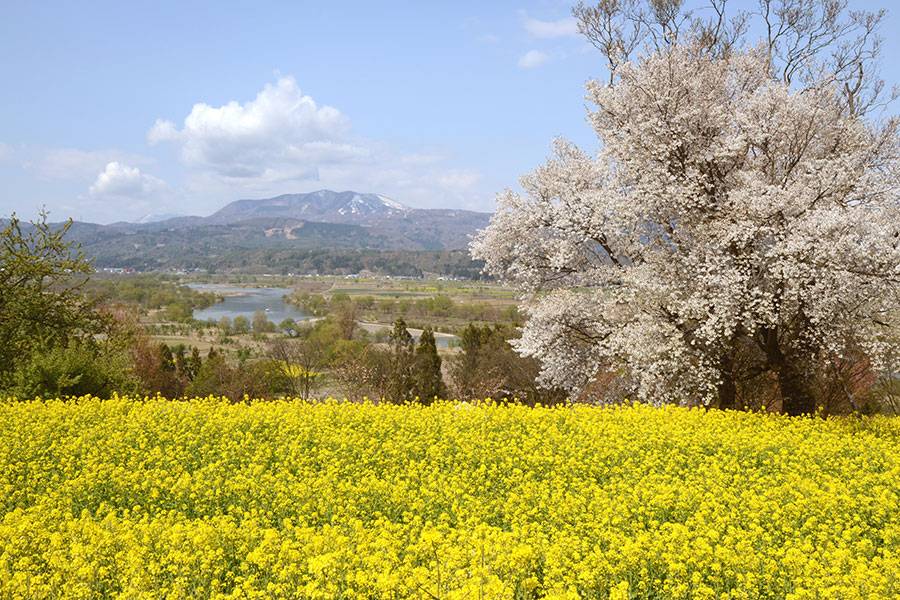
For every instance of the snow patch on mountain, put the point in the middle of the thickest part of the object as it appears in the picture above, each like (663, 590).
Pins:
(391, 203)
(157, 217)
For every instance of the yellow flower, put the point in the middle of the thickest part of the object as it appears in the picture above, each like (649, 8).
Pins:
(203, 498)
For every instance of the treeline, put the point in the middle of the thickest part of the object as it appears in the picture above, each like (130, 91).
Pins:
(150, 292)
(400, 370)
(396, 263)
(439, 308)
(333, 357)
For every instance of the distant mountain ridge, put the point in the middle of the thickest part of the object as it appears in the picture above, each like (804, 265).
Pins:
(323, 206)
(391, 224)
(321, 220)
(155, 218)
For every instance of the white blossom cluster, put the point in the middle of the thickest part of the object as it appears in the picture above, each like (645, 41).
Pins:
(724, 208)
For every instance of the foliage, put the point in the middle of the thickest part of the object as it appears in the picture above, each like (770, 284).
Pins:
(261, 323)
(426, 309)
(240, 325)
(224, 324)
(487, 366)
(41, 305)
(363, 371)
(398, 371)
(235, 256)
(739, 225)
(256, 379)
(202, 498)
(77, 369)
(161, 369)
(401, 380)
(150, 292)
(428, 381)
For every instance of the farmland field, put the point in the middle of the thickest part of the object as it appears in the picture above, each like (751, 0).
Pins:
(202, 498)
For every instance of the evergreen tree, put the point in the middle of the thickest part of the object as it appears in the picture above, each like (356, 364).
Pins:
(400, 384)
(178, 360)
(428, 383)
(193, 363)
(166, 360)
(464, 368)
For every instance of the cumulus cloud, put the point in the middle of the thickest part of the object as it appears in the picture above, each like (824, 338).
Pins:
(75, 163)
(122, 181)
(162, 131)
(282, 134)
(566, 27)
(532, 59)
(284, 141)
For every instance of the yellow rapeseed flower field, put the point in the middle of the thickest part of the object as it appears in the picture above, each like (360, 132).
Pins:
(153, 498)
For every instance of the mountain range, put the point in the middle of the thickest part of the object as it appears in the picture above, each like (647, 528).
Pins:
(317, 221)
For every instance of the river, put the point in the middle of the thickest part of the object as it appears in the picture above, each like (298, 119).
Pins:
(245, 301)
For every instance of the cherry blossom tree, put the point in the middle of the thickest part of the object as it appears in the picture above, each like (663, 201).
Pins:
(739, 222)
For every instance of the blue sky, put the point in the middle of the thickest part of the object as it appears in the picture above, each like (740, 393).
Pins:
(112, 111)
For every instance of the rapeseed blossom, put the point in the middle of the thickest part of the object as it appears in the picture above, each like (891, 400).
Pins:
(128, 498)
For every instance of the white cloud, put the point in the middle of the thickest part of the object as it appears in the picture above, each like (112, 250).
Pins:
(566, 27)
(282, 141)
(162, 131)
(282, 134)
(120, 181)
(74, 163)
(532, 59)
(5, 151)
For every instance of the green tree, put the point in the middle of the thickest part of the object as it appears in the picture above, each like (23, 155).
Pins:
(166, 359)
(261, 323)
(428, 383)
(402, 348)
(487, 366)
(41, 304)
(225, 325)
(289, 327)
(193, 363)
(178, 311)
(212, 377)
(240, 325)
(77, 369)
(257, 379)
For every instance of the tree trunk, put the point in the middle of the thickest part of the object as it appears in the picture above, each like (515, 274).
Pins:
(727, 395)
(796, 398)
(727, 389)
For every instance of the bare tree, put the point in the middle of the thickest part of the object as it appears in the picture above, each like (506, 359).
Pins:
(300, 361)
(364, 373)
(809, 43)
